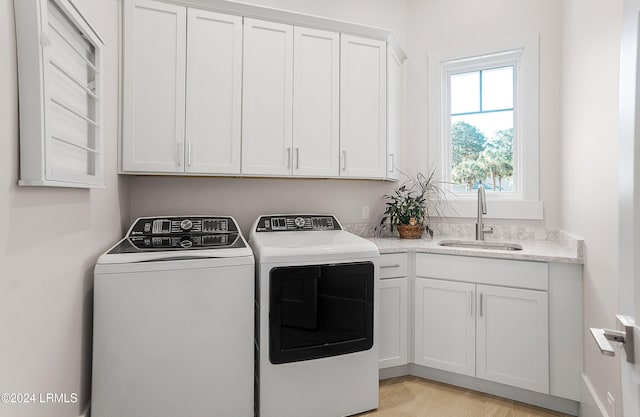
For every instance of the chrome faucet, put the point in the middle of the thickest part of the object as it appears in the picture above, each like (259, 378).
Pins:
(482, 209)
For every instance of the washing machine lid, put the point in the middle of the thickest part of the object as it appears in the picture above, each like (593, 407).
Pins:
(184, 237)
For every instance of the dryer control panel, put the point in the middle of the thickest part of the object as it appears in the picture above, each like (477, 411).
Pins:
(297, 222)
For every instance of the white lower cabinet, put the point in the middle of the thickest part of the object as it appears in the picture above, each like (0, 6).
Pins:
(394, 308)
(484, 322)
(492, 332)
(512, 345)
(445, 328)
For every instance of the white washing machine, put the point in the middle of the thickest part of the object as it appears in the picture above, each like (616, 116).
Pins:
(317, 314)
(173, 327)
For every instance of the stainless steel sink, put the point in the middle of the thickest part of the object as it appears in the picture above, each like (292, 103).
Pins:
(480, 244)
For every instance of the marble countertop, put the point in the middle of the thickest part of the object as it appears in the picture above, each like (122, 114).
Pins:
(568, 250)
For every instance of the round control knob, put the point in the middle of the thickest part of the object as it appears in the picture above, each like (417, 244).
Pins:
(299, 222)
(186, 224)
(186, 243)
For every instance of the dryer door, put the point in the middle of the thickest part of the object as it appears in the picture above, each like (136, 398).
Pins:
(318, 311)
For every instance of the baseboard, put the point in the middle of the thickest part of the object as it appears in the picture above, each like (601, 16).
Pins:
(393, 372)
(550, 402)
(590, 403)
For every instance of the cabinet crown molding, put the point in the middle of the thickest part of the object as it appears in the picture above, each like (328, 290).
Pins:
(299, 19)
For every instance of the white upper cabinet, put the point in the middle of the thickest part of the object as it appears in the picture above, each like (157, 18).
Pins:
(290, 100)
(60, 91)
(214, 85)
(363, 107)
(153, 123)
(316, 102)
(205, 93)
(182, 89)
(267, 98)
(394, 112)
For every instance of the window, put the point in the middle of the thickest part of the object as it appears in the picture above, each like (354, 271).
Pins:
(481, 116)
(484, 127)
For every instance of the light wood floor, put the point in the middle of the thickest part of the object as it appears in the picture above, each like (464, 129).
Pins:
(410, 396)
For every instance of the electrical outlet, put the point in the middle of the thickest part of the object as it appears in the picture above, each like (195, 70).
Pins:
(365, 212)
(612, 404)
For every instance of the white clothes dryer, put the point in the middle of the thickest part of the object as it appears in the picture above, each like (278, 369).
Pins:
(316, 318)
(173, 321)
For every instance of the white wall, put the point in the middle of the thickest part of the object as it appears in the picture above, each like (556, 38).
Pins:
(246, 198)
(590, 65)
(444, 25)
(49, 241)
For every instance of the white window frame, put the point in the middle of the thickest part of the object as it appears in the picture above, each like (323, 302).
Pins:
(523, 54)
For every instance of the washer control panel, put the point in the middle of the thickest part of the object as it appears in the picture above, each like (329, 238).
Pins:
(297, 222)
(148, 234)
(155, 226)
(183, 241)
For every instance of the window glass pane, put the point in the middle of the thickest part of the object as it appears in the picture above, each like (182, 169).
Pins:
(482, 151)
(465, 92)
(497, 89)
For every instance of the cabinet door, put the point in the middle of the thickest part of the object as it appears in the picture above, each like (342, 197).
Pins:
(392, 339)
(445, 325)
(214, 86)
(394, 112)
(316, 102)
(363, 107)
(513, 341)
(154, 86)
(267, 95)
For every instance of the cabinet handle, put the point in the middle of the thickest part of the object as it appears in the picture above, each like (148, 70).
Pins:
(391, 157)
(390, 266)
(297, 158)
(189, 153)
(179, 153)
(470, 295)
(344, 160)
(288, 158)
(481, 304)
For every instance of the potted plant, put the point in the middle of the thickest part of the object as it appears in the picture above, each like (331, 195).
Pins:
(413, 204)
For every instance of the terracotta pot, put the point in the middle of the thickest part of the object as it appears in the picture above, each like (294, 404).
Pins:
(408, 231)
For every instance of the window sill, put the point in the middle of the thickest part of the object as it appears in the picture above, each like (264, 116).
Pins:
(497, 209)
